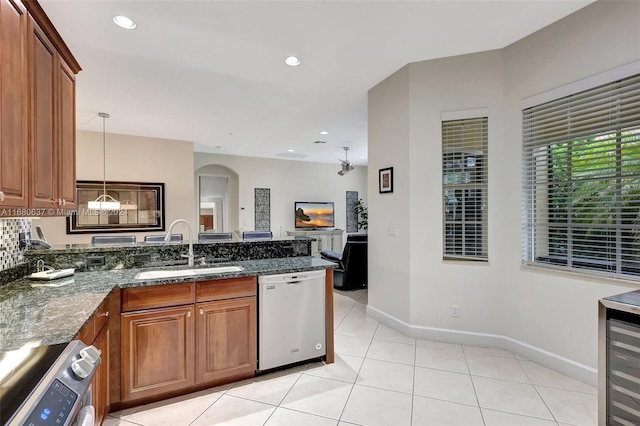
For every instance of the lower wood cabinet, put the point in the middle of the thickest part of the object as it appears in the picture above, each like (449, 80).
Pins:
(158, 351)
(96, 332)
(226, 339)
(101, 378)
(190, 335)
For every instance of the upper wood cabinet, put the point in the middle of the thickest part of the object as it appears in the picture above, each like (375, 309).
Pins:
(37, 114)
(13, 105)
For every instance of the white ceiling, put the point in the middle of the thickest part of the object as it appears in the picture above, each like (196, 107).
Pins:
(212, 72)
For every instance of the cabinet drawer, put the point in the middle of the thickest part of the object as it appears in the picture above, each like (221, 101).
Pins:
(134, 299)
(225, 289)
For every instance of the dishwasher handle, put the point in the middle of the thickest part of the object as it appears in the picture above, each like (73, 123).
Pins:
(293, 282)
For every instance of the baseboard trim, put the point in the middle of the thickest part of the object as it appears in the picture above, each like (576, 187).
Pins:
(541, 356)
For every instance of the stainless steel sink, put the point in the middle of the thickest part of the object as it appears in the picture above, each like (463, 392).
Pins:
(149, 275)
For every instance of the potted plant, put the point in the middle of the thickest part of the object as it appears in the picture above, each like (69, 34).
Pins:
(362, 214)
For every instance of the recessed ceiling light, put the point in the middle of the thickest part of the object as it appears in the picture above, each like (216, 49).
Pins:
(324, 132)
(124, 22)
(291, 150)
(292, 61)
(363, 157)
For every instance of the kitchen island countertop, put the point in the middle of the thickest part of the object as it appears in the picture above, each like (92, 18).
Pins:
(51, 315)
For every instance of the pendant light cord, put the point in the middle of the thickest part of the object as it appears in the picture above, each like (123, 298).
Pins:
(104, 116)
(104, 158)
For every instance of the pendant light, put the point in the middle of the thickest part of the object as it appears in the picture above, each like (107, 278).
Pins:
(104, 201)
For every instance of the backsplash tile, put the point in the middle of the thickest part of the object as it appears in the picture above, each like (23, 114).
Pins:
(10, 252)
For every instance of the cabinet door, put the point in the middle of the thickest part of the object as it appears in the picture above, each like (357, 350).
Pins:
(13, 105)
(101, 377)
(43, 168)
(66, 147)
(226, 339)
(336, 242)
(157, 351)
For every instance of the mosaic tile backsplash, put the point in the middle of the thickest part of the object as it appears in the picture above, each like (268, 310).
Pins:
(10, 252)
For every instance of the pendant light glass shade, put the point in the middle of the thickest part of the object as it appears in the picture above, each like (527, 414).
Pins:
(104, 201)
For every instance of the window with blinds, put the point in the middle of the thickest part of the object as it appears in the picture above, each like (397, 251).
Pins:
(464, 186)
(581, 181)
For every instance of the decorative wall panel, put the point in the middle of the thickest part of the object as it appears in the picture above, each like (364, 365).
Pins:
(263, 209)
(352, 218)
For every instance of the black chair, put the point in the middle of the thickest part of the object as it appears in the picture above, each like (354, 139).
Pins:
(351, 272)
(257, 235)
(214, 236)
(175, 238)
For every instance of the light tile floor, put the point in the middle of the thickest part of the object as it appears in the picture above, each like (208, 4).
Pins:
(382, 377)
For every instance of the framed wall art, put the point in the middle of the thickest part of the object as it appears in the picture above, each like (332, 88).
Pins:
(385, 180)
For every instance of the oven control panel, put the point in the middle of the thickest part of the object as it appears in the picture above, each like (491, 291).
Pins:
(54, 408)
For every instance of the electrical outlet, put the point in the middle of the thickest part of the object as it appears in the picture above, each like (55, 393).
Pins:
(455, 311)
(95, 260)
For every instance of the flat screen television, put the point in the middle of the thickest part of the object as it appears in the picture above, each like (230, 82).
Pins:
(312, 215)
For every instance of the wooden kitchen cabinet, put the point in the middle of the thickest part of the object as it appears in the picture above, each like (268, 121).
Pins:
(158, 351)
(183, 337)
(226, 339)
(101, 378)
(37, 114)
(96, 333)
(13, 105)
(52, 125)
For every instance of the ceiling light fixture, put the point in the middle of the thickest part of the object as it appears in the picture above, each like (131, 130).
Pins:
(292, 61)
(291, 150)
(324, 132)
(104, 201)
(124, 22)
(346, 164)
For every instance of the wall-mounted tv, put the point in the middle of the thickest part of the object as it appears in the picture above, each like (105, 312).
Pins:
(314, 215)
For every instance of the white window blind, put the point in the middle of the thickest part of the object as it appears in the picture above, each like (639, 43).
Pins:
(464, 186)
(581, 181)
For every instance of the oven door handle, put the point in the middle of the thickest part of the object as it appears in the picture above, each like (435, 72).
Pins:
(86, 416)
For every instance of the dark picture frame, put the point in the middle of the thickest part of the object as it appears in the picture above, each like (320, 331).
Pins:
(142, 208)
(385, 180)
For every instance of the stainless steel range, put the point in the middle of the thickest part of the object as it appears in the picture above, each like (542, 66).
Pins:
(47, 385)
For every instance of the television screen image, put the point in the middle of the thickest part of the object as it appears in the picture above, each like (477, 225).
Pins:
(314, 215)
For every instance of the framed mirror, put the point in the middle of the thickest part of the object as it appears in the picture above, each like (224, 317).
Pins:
(141, 207)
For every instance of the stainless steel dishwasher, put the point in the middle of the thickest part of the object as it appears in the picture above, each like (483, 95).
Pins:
(291, 318)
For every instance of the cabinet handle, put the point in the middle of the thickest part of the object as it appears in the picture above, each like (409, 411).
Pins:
(201, 311)
(106, 314)
(188, 314)
(1, 195)
(64, 202)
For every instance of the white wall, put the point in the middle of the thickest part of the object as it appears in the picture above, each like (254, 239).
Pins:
(389, 262)
(553, 311)
(549, 317)
(289, 181)
(132, 159)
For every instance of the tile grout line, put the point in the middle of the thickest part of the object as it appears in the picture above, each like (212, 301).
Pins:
(413, 384)
(359, 369)
(285, 397)
(473, 385)
(210, 405)
(537, 392)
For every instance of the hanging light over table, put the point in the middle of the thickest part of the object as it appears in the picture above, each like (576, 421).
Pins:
(104, 201)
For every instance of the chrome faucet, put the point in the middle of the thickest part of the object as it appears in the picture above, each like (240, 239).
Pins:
(168, 238)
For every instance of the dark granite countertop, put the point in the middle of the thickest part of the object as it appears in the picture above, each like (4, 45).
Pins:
(53, 315)
(74, 248)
